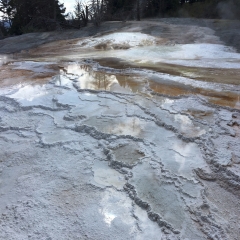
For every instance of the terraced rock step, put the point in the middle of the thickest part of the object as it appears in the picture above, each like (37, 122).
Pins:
(114, 145)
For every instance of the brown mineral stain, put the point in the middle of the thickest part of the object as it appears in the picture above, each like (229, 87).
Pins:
(227, 99)
(226, 76)
(232, 101)
(136, 83)
(10, 76)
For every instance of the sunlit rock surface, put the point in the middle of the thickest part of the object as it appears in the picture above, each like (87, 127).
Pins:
(137, 137)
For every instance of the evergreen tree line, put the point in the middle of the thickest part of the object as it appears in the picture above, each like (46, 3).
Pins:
(173, 8)
(122, 10)
(218, 9)
(21, 16)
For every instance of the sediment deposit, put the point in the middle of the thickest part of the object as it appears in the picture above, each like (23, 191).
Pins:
(128, 134)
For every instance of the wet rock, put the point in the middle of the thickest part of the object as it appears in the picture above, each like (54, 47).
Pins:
(123, 150)
(204, 175)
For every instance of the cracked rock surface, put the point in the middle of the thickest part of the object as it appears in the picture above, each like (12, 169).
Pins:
(101, 152)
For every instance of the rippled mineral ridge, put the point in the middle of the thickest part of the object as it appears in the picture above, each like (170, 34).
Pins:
(137, 137)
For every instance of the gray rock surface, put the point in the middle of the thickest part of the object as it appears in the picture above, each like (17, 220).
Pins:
(92, 151)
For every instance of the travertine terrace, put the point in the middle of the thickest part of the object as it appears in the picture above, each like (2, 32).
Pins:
(130, 131)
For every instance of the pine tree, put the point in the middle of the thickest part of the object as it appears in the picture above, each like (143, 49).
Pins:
(81, 14)
(6, 11)
(97, 11)
(35, 15)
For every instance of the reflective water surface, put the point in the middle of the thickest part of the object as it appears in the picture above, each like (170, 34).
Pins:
(120, 136)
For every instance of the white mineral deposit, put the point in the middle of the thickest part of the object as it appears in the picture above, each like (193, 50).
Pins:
(133, 133)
